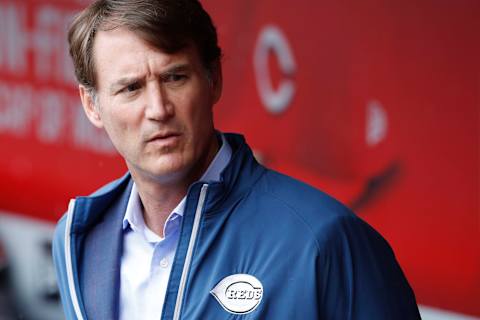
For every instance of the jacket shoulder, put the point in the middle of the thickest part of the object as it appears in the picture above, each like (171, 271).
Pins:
(329, 222)
(357, 269)
(313, 205)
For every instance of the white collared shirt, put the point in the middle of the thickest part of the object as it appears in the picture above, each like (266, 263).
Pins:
(147, 258)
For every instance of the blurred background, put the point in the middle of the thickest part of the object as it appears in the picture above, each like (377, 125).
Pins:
(375, 102)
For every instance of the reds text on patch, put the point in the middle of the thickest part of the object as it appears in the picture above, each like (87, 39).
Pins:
(239, 293)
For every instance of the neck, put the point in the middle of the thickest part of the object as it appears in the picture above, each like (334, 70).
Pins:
(160, 198)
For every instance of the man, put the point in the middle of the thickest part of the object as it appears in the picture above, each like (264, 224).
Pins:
(198, 229)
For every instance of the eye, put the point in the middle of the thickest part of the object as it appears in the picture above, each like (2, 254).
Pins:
(132, 87)
(175, 77)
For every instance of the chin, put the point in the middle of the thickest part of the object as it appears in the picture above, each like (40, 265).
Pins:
(169, 169)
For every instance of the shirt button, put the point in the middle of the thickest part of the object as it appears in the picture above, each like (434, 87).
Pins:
(164, 263)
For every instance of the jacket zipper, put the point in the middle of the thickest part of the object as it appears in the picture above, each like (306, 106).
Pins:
(68, 261)
(188, 258)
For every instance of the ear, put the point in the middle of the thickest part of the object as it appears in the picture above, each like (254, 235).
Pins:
(89, 107)
(217, 81)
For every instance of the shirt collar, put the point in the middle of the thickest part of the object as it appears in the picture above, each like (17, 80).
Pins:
(134, 212)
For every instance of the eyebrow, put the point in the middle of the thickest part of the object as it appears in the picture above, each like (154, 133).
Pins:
(120, 83)
(177, 68)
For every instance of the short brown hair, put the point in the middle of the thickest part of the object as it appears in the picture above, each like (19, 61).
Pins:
(169, 25)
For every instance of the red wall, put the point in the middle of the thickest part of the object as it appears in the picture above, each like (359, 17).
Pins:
(383, 114)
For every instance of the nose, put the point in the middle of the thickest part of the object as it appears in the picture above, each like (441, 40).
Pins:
(159, 107)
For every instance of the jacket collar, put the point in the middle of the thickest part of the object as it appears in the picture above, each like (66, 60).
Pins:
(236, 179)
(89, 210)
(100, 272)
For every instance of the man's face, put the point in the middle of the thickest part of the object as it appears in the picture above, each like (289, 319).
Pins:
(155, 107)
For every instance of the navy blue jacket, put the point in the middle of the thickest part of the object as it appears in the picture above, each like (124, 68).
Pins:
(312, 258)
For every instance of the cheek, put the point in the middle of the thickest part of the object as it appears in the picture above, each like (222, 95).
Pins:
(115, 127)
(198, 124)
(121, 118)
(201, 121)
(120, 131)
(196, 114)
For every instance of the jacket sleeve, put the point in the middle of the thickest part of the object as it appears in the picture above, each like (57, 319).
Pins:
(360, 279)
(58, 252)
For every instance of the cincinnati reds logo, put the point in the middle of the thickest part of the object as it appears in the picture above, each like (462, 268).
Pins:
(239, 293)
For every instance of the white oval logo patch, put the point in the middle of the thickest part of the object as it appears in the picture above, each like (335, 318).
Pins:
(238, 293)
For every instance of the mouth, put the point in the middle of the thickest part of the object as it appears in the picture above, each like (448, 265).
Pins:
(164, 137)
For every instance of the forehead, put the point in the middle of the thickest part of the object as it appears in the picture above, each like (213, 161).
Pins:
(121, 52)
